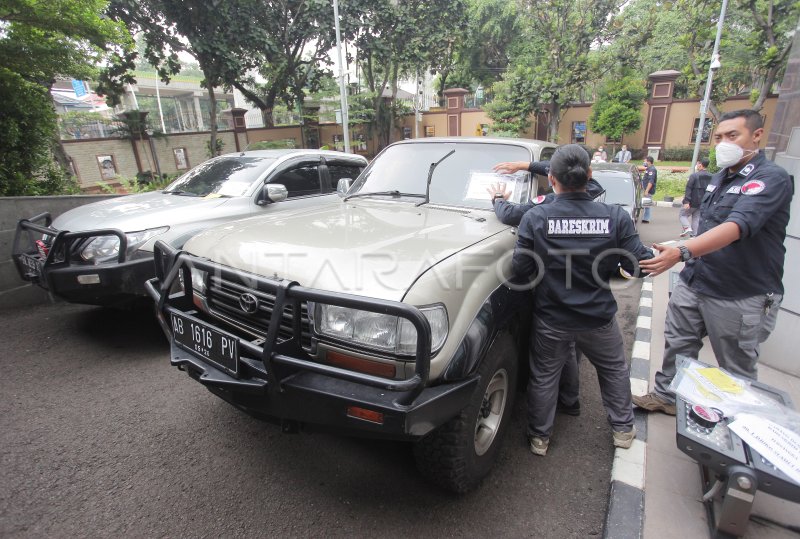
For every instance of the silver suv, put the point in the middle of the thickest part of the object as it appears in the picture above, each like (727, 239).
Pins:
(386, 314)
(102, 253)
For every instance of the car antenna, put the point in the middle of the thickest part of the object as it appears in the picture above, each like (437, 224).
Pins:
(430, 177)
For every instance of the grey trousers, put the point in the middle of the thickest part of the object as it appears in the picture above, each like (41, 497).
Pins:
(552, 348)
(735, 328)
(690, 218)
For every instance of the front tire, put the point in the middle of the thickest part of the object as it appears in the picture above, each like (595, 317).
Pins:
(460, 453)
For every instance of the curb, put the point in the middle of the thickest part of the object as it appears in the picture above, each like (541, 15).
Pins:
(625, 514)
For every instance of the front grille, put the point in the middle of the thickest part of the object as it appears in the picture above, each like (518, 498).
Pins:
(223, 301)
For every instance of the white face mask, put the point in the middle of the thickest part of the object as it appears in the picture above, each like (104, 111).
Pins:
(728, 154)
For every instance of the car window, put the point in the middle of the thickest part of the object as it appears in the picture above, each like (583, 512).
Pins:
(224, 176)
(300, 180)
(546, 154)
(339, 171)
(619, 189)
(404, 167)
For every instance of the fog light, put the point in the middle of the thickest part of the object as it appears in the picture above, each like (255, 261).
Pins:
(92, 278)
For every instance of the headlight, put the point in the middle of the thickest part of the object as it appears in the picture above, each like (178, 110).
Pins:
(384, 332)
(105, 248)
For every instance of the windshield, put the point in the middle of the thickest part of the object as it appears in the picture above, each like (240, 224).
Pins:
(229, 176)
(619, 188)
(456, 181)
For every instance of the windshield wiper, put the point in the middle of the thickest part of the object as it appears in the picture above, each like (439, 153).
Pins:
(383, 193)
(186, 193)
(430, 177)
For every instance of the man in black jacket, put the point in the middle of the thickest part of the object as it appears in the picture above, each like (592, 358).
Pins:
(695, 189)
(511, 214)
(570, 249)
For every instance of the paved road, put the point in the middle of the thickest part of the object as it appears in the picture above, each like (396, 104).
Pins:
(100, 437)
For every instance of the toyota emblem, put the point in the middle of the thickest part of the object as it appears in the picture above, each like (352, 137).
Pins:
(248, 303)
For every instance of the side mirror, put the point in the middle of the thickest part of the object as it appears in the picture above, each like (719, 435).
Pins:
(343, 186)
(272, 192)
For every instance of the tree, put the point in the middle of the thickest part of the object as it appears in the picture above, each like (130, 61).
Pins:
(556, 65)
(39, 43)
(492, 38)
(217, 34)
(396, 38)
(290, 54)
(618, 108)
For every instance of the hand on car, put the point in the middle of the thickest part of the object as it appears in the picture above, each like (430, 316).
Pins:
(666, 258)
(509, 167)
(498, 189)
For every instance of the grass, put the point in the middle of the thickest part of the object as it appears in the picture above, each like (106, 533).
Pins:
(673, 163)
(671, 183)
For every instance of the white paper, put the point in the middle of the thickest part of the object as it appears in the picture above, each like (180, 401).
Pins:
(480, 185)
(778, 445)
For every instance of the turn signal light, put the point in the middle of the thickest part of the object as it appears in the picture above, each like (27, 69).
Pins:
(366, 366)
(367, 415)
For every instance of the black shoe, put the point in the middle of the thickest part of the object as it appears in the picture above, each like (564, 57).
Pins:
(574, 410)
(645, 221)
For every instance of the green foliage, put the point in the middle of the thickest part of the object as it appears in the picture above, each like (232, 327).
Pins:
(40, 42)
(273, 144)
(218, 148)
(672, 184)
(27, 127)
(510, 111)
(617, 110)
(681, 153)
(555, 67)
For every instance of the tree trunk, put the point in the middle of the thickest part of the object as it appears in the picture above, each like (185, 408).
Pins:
(393, 109)
(212, 119)
(555, 120)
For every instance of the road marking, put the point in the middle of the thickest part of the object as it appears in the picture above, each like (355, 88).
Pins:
(629, 464)
(639, 387)
(643, 322)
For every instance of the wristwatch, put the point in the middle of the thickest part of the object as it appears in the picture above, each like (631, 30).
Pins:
(685, 253)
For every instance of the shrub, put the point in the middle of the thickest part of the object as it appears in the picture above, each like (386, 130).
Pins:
(273, 144)
(681, 153)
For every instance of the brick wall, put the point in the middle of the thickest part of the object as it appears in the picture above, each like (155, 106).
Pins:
(85, 152)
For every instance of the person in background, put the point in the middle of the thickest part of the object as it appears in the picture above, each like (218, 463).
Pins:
(649, 185)
(576, 308)
(623, 155)
(695, 189)
(732, 285)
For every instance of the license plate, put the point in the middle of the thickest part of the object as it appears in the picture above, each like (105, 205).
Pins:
(32, 264)
(205, 342)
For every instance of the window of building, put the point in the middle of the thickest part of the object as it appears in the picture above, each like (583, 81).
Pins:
(578, 132)
(706, 136)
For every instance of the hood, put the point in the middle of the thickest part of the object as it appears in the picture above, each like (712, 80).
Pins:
(368, 248)
(137, 212)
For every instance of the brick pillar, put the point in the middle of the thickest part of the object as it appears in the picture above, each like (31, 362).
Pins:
(239, 127)
(659, 105)
(454, 99)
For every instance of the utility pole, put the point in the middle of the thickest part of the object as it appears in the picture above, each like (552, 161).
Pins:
(712, 68)
(342, 88)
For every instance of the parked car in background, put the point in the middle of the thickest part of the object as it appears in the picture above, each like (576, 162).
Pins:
(386, 314)
(623, 187)
(102, 253)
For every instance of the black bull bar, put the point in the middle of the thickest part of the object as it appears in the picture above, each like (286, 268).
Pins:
(171, 262)
(62, 243)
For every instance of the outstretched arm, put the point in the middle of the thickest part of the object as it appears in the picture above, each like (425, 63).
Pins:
(707, 242)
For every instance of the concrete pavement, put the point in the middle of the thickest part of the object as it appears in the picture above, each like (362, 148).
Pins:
(672, 484)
